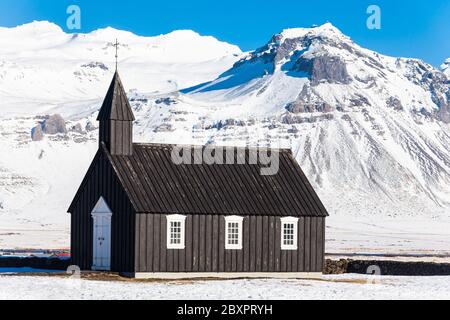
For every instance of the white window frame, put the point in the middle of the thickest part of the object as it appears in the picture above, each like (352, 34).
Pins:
(294, 222)
(239, 221)
(182, 220)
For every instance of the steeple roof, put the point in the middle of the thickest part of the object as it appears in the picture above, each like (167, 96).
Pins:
(116, 105)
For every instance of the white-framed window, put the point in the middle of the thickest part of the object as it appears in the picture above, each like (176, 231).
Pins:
(175, 232)
(289, 235)
(233, 233)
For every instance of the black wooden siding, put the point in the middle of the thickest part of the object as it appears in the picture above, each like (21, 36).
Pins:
(100, 181)
(205, 246)
(117, 136)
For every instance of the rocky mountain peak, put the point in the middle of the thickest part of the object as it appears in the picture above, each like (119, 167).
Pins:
(318, 51)
(338, 74)
(326, 30)
(446, 67)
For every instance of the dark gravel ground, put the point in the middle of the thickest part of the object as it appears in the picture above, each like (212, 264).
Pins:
(394, 268)
(387, 268)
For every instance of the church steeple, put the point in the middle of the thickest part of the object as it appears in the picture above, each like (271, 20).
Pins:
(116, 120)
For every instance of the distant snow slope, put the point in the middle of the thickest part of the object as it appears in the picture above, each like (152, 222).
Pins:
(42, 67)
(371, 132)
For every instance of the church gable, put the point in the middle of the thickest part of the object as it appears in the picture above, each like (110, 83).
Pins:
(100, 180)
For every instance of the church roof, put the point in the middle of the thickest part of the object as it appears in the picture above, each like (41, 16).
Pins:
(155, 184)
(116, 105)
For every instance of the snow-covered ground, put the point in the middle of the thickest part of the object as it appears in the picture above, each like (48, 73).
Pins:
(370, 136)
(403, 238)
(329, 287)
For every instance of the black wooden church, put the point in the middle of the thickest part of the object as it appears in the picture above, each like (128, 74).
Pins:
(140, 214)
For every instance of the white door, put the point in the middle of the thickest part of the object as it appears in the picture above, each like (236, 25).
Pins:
(101, 236)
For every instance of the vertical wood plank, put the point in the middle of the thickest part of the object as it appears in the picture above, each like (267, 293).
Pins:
(324, 239)
(176, 254)
(301, 245)
(84, 232)
(142, 221)
(124, 235)
(163, 243)
(156, 243)
(189, 243)
(289, 257)
(228, 260)
(221, 244)
(150, 240)
(265, 244)
(314, 244)
(234, 254)
(170, 253)
(283, 260)
(271, 249)
(320, 255)
(202, 251)
(208, 243)
(132, 241)
(215, 244)
(253, 244)
(246, 244)
(259, 242)
(277, 244)
(112, 137)
(307, 244)
(195, 243)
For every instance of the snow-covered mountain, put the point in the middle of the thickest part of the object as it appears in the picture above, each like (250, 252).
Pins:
(446, 67)
(371, 132)
(43, 67)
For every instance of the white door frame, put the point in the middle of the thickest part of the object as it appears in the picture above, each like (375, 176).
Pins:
(101, 241)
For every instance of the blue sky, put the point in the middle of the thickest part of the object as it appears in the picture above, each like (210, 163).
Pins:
(413, 28)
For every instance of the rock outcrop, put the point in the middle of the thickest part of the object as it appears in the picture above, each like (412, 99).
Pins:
(308, 101)
(54, 124)
(36, 133)
(77, 128)
(51, 125)
(90, 127)
(394, 103)
(324, 69)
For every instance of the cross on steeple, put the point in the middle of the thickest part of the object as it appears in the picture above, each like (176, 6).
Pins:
(117, 51)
